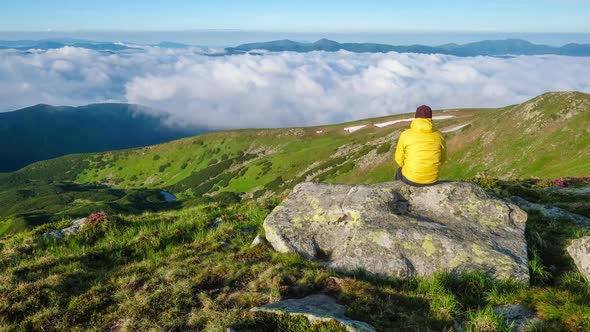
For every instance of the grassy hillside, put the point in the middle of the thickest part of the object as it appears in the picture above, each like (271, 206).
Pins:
(546, 137)
(192, 269)
(188, 264)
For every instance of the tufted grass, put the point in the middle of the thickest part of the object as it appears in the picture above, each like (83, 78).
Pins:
(486, 320)
(559, 294)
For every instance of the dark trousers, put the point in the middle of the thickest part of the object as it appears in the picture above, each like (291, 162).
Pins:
(399, 176)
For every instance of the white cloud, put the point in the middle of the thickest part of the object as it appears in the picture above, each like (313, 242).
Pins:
(279, 89)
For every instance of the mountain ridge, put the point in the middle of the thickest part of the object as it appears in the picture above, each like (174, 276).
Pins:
(486, 47)
(50, 44)
(499, 47)
(43, 131)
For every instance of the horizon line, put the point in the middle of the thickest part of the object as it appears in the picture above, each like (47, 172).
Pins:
(49, 30)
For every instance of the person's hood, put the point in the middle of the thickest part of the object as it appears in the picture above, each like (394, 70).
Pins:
(422, 125)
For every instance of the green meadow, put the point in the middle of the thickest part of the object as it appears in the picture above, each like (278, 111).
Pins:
(193, 269)
(157, 265)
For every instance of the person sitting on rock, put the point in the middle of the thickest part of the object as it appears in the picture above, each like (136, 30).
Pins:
(421, 151)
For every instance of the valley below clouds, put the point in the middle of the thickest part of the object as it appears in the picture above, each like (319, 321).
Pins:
(279, 89)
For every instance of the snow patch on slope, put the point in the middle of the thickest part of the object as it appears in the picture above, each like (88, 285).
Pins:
(353, 129)
(389, 123)
(450, 130)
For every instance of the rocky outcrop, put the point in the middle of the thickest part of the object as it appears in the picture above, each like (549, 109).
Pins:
(392, 229)
(579, 251)
(317, 308)
(75, 227)
(581, 191)
(552, 212)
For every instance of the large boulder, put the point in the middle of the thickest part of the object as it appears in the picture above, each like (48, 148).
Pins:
(392, 229)
(579, 251)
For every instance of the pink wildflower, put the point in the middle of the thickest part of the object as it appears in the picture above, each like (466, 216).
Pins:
(96, 218)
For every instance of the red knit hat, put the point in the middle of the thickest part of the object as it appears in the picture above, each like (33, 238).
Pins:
(424, 112)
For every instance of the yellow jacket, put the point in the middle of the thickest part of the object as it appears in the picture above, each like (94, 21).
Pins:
(421, 151)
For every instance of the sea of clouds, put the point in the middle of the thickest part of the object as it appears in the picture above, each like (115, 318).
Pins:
(279, 89)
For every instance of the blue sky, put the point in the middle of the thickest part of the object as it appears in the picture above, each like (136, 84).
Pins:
(297, 15)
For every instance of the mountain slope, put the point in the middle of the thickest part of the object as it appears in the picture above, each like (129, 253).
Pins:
(193, 268)
(42, 132)
(546, 137)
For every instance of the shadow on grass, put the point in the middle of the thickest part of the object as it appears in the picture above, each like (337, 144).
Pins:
(40, 203)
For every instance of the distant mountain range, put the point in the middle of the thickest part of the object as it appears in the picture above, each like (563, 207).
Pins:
(24, 45)
(49, 44)
(42, 132)
(506, 47)
(486, 47)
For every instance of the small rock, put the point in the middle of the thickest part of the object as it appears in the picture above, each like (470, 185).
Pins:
(317, 308)
(336, 280)
(518, 316)
(257, 241)
(579, 251)
(248, 229)
(333, 285)
(75, 227)
(224, 244)
(215, 223)
(55, 235)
